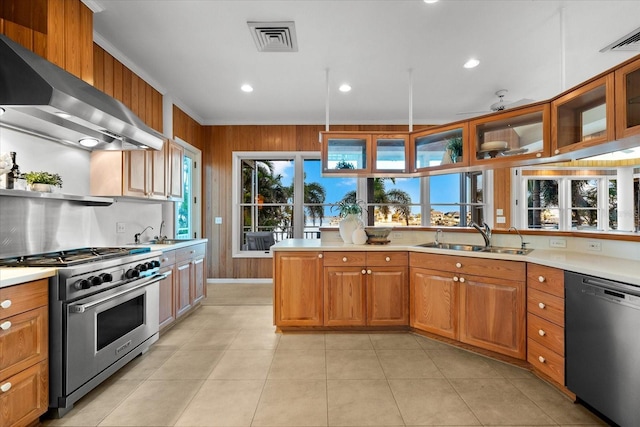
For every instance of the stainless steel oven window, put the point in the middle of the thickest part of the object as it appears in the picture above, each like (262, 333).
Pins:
(118, 321)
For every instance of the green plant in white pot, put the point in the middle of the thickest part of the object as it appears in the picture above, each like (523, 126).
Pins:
(43, 181)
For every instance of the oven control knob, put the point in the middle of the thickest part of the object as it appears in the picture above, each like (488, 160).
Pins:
(106, 277)
(155, 264)
(132, 273)
(149, 265)
(141, 267)
(95, 280)
(82, 284)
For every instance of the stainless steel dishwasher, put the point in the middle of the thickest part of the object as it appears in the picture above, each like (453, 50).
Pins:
(602, 328)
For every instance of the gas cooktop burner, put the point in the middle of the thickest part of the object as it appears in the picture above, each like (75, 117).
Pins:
(70, 257)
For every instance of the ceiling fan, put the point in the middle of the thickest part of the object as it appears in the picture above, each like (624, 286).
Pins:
(501, 104)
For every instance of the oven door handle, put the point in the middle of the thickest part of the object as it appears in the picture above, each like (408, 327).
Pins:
(81, 308)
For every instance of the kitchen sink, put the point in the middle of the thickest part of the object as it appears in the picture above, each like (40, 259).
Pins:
(475, 248)
(161, 242)
(453, 246)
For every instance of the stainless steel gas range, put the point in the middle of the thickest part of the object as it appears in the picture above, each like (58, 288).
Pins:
(103, 312)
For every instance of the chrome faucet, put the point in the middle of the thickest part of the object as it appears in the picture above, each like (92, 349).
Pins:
(439, 231)
(485, 230)
(160, 237)
(522, 242)
(136, 237)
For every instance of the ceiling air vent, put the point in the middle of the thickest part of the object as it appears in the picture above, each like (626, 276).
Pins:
(274, 36)
(630, 42)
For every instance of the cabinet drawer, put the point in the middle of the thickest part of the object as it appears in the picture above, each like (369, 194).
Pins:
(546, 333)
(168, 258)
(27, 398)
(24, 297)
(190, 252)
(547, 306)
(351, 259)
(24, 342)
(546, 279)
(383, 259)
(546, 361)
(510, 270)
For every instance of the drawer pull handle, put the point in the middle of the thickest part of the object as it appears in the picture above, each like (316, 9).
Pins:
(5, 325)
(542, 305)
(455, 278)
(6, 303)
(541, 332)
(368, 271)
(542, 359)
(364, 271)
(556, 152)
(458, 265)
(387, 259)
(319, 255)
(541, 279)
(462, 280)
(5, 387)
(344, 259)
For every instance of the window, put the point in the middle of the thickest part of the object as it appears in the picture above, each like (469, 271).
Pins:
(455, 199)
(584, 200)
(187, 211)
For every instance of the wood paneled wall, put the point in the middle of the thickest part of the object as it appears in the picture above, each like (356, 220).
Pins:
(115, 79)
(221, 141)
(187, 129)
(502, 195)
(59, 30)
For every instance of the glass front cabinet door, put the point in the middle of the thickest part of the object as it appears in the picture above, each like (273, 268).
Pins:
(584, 117)
(511, 136)
(346, 153)
(628, 100)
(390, 152)
(443, 147)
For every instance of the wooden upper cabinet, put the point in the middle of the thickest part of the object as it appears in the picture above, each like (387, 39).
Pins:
(583, 117)
(175, 154)
(510, 137)
(627, 103)
(443, 147)
(390, 152)
(346, 153)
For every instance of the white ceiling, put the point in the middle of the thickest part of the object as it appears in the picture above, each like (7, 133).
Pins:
(199, 53)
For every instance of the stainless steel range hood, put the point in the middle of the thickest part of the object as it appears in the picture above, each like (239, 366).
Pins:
(41, 98)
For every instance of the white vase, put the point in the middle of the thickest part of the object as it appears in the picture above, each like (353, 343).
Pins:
(347, 226)
(359, 236)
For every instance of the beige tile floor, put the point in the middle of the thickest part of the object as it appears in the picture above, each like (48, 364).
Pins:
(225, 366)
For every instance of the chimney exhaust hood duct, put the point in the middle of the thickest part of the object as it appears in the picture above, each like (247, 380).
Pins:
(41, 98)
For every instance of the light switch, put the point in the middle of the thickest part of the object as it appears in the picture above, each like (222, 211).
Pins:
(499, 212)
(218, 220)
(501, 220)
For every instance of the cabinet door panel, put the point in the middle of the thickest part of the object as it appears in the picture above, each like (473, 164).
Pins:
(27, 398)
(344, 296)
(434, 302)
(25, 342)
(198, 289)
(298, 295)
(492, 315)
(387, 296)
(183, 287)
(136, 170)
(167, 309)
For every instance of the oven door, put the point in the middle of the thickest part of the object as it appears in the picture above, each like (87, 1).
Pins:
(106, 326)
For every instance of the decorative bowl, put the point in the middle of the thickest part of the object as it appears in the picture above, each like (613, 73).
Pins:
(377, 235)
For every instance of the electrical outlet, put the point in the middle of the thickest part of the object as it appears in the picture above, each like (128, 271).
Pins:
(557, 243)
(121, 227)
(397, 235)
(218, 220)
(592, 245)
(501, 220)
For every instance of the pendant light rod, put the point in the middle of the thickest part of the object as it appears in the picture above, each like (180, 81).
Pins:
(326, 107)
(410, 99)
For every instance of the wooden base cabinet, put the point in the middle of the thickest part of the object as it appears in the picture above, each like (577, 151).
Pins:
(492, 315)
(167, 309)
(434, 307)
(345, 296)
(298, 295)
(387, 296)
(24, 363)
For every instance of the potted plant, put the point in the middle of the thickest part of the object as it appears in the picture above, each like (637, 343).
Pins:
(454, 146)
(350, 212)
(43, 181)
(344, 165)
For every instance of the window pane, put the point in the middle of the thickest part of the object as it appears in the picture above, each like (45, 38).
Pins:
(184, 208)
(267, 197)
(395, 201)
(584, 203)
(613, 204)
(320, 192)
(542, 203)
(456, 199)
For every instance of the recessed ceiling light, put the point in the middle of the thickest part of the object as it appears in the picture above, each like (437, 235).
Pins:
(430, 1)
(246, 88)
(471, 63)
(89, 142)
(344, 88)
